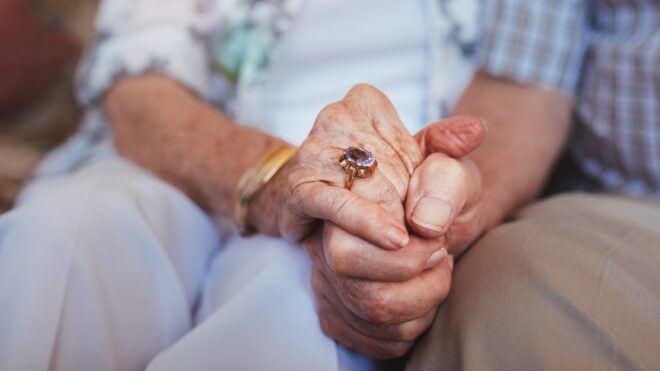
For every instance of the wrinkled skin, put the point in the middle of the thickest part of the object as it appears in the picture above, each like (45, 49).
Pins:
(310, 187)
(377, 287)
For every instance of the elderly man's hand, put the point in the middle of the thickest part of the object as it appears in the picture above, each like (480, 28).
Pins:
(445, 192)
(379, 301)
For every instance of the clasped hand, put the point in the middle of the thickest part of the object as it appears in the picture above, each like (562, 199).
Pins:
(382, 252)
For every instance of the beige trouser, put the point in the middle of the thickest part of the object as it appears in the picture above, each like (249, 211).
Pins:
(572, 284)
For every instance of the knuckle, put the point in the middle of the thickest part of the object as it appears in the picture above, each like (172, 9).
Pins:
(293, 185)
(384, 193)
(330, 114)
(432, 169)
(442, 292)
(438, 292)
(329, 110)
(338, 256)
(326, 326)
(396, 350)
(390, 194)
(415, 154)
(407, 334)
(452, 171)
(364, 88)
(378, 307)
(297, 194)
(401, 349)
(363, 91)
(411, 266)
(410, 331)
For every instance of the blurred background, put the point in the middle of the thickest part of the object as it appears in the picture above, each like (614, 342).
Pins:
(40, 42)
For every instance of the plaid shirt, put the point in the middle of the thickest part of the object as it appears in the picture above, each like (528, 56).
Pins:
(606, 54)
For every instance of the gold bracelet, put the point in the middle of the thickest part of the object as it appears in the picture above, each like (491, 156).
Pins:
(255, 179)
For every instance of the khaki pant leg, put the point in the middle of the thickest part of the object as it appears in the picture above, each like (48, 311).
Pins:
(572, 284)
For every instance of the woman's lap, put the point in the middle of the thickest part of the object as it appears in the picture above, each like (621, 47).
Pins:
(103, 269)
(257, 302)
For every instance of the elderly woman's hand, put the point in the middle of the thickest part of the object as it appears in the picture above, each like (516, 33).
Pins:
(310, 187)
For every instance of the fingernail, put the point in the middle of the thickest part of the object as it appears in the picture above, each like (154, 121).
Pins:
(432, 213)
(436, 258)
(398, 237)
(484, 122)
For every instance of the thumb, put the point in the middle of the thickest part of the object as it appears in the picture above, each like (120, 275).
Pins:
(440, 188)
(455, 136)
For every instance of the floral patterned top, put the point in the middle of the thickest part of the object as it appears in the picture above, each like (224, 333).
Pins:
(222, 51)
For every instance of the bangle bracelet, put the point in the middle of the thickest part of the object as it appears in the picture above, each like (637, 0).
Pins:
(254, 180)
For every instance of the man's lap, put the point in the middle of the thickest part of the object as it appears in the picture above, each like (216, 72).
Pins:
(571, 283)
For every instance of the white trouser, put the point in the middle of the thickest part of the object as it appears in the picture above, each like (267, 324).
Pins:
(112, 269)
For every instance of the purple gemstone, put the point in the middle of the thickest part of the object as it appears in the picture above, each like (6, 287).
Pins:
(359, 157)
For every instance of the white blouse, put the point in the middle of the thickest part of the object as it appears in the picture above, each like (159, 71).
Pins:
(322, 56)
(418, 52)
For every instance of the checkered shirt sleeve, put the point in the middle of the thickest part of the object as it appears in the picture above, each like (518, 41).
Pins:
(534, 42)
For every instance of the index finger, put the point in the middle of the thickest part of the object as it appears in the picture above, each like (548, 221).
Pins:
(357, 215)
(350, 256)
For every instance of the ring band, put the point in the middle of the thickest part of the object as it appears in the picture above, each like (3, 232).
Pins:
(357, 163)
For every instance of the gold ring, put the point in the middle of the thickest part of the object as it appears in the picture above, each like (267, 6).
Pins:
(357, 163)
